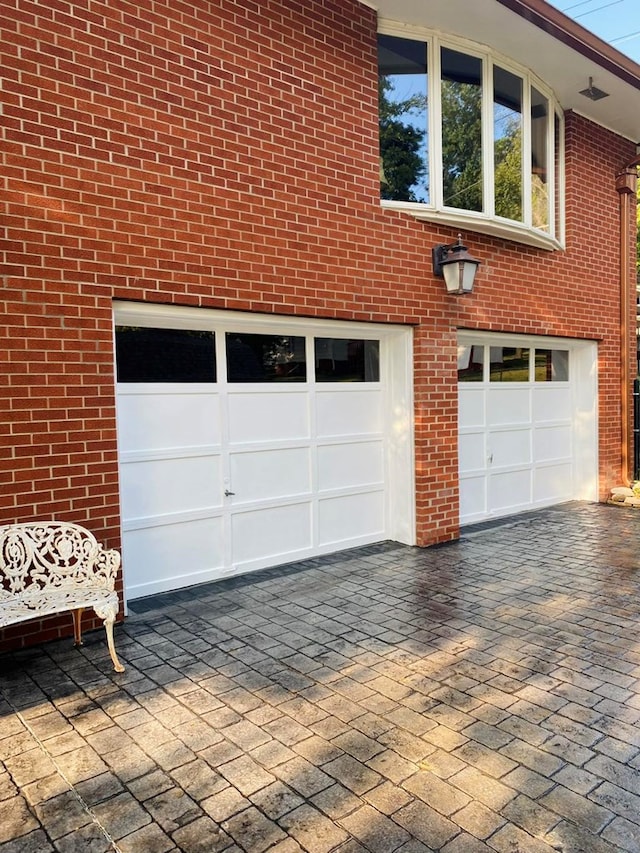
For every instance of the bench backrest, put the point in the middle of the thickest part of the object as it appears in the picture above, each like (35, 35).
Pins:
(53, 554)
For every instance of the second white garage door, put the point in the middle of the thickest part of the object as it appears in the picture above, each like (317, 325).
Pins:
(248, 441)
(527, 423)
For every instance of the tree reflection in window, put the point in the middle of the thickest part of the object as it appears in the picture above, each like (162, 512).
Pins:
(551, 365)
(461, 130)
(265, 358)
(539, 159)
(510, 169)
(509, 364)
(347, 360)
(507, 143)
(403, 116)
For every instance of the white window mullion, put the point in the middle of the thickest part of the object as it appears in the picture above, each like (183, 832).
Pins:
(558, 184)
(527, 208)
(551, 168)
(488, 141)
(435, 126)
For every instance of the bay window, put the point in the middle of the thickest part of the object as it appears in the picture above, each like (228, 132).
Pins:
(466, 137)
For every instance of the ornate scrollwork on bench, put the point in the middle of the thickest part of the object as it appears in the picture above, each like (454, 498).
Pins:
(50, 567)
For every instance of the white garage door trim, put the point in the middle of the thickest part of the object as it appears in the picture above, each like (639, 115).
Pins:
(149, 469)
(525, 444)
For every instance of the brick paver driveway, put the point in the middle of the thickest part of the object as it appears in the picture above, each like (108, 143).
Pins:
(480, 696)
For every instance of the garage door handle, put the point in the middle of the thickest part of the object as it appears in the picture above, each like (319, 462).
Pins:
(228, 494)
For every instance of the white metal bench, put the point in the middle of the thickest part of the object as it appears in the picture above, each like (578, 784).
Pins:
(50, 567)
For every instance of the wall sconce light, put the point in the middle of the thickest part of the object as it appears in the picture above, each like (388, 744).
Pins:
(456, 266)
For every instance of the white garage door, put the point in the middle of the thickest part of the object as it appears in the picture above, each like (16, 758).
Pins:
(527, 423)
(246, 441)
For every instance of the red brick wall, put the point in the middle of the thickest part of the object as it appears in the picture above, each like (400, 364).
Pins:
(224, 154)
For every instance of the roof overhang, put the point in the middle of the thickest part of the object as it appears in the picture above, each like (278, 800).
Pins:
(563, 54)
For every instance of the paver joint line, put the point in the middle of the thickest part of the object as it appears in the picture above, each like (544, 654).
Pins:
(71, 787)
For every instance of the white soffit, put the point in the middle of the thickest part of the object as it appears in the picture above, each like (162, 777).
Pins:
(558, 50)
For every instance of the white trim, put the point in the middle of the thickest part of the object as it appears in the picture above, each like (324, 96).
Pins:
(527, 189)
(185, 317)
(436, 165)
(504, 338)
(487, 140)
(560, 183)
(468, 221)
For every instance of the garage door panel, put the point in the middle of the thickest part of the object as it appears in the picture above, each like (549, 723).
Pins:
(551, 403)
(471, 411)
(350, 464)
(276, 533)
(173, 555)
(350, 516)
(473, 498)
(510, 447)
(508, 405)
(553, 442)
(509, 490)
(348, 412)
(272, 416)
(163, 486)
(472, 451)
(169, 419)
(553, 481)
(268, 474)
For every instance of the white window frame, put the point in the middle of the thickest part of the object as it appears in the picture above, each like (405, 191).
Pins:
(486, 222)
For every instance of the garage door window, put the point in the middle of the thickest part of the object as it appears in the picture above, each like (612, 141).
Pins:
(470, 363)
(512, 364)
(347, 360)
(164, 355)
(509, 364)
(265, 358)
(552, 365)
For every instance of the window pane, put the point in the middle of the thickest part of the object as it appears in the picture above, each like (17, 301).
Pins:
(509, 364)
(403, 116)
(462, 130)
(265, 358)
(164, 355)
(552, 365)
(539, 160)
(470, 363)
(507, 142)
(347, 360)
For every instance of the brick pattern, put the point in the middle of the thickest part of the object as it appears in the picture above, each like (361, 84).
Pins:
(350, 704)
(225, 155)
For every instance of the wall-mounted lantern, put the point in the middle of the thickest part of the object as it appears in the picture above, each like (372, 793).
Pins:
(456, 266)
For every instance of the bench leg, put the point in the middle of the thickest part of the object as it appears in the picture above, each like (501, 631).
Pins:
(108, 615)
(108, 625)
(77, 625)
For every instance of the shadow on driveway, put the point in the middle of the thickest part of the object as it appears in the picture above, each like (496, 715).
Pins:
(478, 696)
